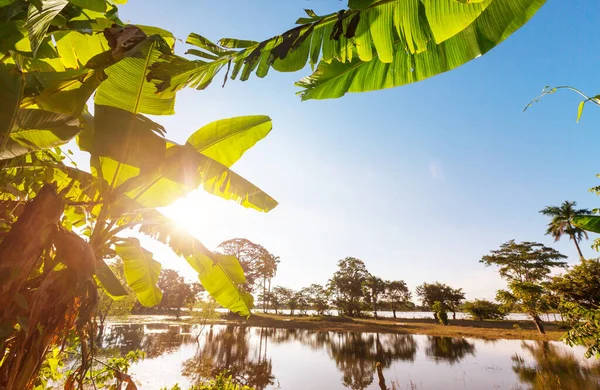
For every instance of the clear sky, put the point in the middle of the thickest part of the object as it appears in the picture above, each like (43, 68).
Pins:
(419, 181)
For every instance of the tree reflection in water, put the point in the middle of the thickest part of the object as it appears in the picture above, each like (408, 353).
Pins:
(449, 350)
(555, 369)
(244, 352)
(230, 349)
(154, 339)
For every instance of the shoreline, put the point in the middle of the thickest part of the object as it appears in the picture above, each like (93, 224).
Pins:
(489, 329)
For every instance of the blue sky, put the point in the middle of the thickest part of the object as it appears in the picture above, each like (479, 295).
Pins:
(419, 181)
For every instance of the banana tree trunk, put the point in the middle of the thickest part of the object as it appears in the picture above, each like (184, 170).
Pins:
(28, 237)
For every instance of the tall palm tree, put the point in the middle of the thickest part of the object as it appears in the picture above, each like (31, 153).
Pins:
(562, 222)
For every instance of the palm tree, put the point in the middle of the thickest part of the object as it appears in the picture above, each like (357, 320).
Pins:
(562, 222)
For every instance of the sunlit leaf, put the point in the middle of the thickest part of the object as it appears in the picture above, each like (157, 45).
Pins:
(12, 83)
(220, 275)
(590, 223)
(39, 20)
(95, 5)
(38, 129)
(141, 271)
(226, 140)
(126, 87)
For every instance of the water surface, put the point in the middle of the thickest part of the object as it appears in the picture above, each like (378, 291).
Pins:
(267, 358)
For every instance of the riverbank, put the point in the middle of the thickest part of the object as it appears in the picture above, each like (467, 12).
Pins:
(493, 329)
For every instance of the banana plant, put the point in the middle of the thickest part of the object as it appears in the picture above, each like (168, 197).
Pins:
(371, 45)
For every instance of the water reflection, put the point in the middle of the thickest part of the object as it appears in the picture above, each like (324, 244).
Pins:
(448, 349)
(555, 369)
(259, 357)
(229, 349)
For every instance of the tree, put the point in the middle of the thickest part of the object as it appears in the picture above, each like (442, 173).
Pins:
(347, 285)
(177, 293)
(302, 298)
(286, 297)
(482, 309)
(318, 298)
(375, 287)
(267, 268)
(562, 223)
(580, 285)
(251, 256)
(59, 228)
(450, 298)
(397, 294)
(525, 266)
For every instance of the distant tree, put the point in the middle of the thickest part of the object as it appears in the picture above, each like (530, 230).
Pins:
(177, 293)
(562, 223)
(429, 293)
(267, 268)
(318, 298)
(286, 297)
(482, 309)
(250, 256)
(396, 295)
(347, 285)
(303, 300)
(525, 266)
(374, 289)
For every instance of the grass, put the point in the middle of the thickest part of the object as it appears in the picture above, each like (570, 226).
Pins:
(492, 329)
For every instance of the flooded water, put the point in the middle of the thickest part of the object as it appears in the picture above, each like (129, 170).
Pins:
(267, 358)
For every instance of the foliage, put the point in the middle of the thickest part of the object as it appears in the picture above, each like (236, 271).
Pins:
(562, 222)
(63, 223)
(282, 297)
(177, 293)
(397, 295)
(318, 298)
(374, 288)
(347, 285)
(525, 266)
(585, 330)
(554, 369)
(441, 314)
(252, 257)
(221, 382)
(580, 285)
(429, 293)
(482, 309)
(370, 46)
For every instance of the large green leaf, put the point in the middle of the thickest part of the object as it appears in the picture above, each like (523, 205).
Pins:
(76, 48)
(226, 140)
(376, 45)
(127, 88)
(494, 24)
(39, 20)
(38, 129)
(12, 83)
(591, 223)
(108, 280)
(67, 95)
(94, 5)
(220, 275)
(155, 171)
(141, 271)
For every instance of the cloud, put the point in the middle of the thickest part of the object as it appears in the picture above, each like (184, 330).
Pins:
(435, 169)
